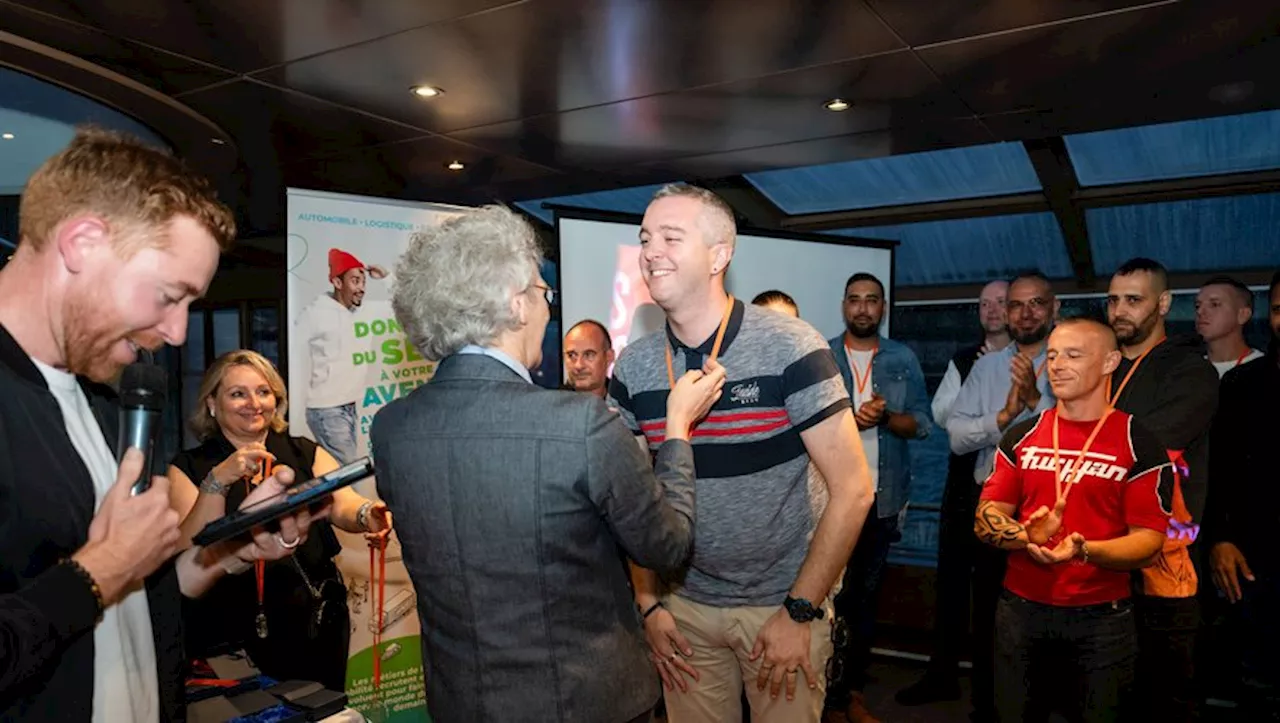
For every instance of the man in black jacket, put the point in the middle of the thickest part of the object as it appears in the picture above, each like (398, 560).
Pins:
(1171, 389)
(1244, 512)
(115, 241)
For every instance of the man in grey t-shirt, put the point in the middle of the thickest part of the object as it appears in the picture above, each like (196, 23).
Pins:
(783, 486)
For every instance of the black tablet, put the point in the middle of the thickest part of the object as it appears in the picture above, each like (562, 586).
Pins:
(294, 498)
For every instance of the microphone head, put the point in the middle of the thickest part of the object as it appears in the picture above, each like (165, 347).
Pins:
(144, 385)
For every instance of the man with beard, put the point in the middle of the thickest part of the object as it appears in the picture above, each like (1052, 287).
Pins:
(115, 241)
(958, 549)
(1166, 384)
(886, 386)
(334, 386)
(588, 353)
(783, 487)
(1244, 512)
(1003, 388)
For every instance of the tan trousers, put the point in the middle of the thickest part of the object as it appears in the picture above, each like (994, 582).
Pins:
(722, 639)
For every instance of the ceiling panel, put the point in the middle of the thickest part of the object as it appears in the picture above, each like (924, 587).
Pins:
(974, 250)
(903, 139)
(1231, 144)
(886, 91)
(160, 70)
(1231, 233)
(921, 22)
(287, 126)
(539, 57)
(415, 169)
(972, 172)
(1123, 58)
(246, 35)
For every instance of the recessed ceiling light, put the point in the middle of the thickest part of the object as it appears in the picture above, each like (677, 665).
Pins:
(7, 136)
(426, 91)
(836, 105)
(218, 141)
(455, 166)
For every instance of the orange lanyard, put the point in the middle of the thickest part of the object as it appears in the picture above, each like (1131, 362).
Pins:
(378, 548)
(1077, 471)
(1243, 356)
(260, 566)
(715, 348)
(859, 380)
(1125, 382)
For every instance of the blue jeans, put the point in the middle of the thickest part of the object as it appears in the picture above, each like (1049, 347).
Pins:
(1079, 660)
(335, 430)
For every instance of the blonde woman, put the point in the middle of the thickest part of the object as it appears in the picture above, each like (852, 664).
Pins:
(290, 615)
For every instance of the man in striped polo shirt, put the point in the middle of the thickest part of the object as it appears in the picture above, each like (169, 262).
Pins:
(783, 485)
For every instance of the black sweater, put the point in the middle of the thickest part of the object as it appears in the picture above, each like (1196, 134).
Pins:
(47, 611)
(1174, 393)
(1244, 505)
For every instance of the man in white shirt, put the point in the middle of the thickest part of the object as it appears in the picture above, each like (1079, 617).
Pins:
(334, 382)
(1223, 307)
(995, 336)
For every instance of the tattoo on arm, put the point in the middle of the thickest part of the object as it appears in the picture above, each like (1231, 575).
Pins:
(994, 527)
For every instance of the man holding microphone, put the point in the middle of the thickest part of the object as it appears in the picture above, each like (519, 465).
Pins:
(116, 240)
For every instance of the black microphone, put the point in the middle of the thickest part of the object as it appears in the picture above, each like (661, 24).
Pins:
(142, 397)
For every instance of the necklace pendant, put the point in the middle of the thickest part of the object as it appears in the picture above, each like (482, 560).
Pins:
(262, 625)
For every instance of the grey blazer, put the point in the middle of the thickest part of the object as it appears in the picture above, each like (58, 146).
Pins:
(515, 506)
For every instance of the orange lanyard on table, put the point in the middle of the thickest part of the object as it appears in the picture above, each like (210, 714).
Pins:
(1125, 382)
(715, 348)
(1077, 470)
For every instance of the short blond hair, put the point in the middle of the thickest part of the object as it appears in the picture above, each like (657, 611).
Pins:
(718, 224)
(136, 188)
(203, 424)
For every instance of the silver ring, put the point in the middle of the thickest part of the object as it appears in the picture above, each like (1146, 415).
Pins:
(287, 545)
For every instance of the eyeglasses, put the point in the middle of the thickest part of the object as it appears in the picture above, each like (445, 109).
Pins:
(1034, 305)
(548, 293)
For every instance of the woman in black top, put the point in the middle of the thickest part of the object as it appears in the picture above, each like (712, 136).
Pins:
(295, 625)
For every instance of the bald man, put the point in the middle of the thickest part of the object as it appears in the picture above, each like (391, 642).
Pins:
(588, 353)
(1079, 496)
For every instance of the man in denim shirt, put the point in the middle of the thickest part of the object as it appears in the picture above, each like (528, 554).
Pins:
(989, 403)
(887, 388)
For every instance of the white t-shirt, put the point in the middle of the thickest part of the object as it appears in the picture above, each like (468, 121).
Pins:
(1225, 366)
(125, 687)
(860, 366)
(328, 329)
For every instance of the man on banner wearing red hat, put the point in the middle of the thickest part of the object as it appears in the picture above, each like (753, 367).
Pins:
(328, 325)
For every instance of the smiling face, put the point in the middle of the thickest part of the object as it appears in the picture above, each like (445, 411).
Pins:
(348, 289)
(1080, 358)
(677, 258)
(114, 306)
(1032, 308)
(243, 403)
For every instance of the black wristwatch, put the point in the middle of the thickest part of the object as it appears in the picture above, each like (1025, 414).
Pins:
(801, 610)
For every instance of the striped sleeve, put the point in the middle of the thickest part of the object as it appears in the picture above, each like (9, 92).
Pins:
(811, 385)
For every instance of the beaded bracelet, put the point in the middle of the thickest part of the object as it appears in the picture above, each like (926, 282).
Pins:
(93, 585)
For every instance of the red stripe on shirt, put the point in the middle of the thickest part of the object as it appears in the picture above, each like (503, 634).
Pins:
(725, 418)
